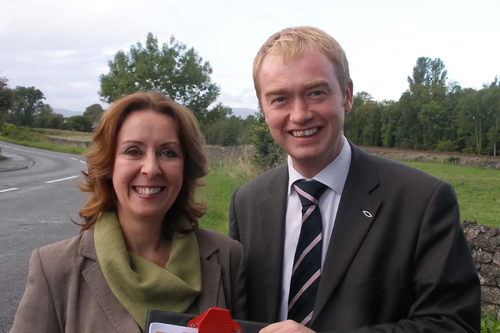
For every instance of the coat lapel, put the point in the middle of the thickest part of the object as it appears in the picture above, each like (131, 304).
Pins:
(356, 213)
(117, 314)
(210, 275)
(272, 212)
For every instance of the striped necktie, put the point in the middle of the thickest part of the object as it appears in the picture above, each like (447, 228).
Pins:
(306, 270)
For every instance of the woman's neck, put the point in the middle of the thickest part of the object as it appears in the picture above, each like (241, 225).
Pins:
(145, 238)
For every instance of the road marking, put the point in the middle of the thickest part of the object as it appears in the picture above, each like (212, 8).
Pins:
(9, 189)
(83, 162)
(59, 180)
(72, 158)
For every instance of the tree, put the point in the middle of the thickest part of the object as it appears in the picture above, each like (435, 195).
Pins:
(172, 69)
(26, 104)
(428, 72)
(94, 113)
(5, 99)
(79, 123)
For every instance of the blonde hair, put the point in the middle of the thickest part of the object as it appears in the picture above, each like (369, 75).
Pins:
(100, 159)
(291, 42)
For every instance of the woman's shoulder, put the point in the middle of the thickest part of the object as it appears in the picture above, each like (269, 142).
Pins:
(208, 237)
(63, 256)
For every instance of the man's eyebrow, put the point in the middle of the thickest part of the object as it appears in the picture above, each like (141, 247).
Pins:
(318, 84)
(276, 91)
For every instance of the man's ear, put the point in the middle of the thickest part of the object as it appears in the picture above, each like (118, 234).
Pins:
(348, 100)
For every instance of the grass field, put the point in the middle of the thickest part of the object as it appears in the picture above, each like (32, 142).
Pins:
(478, 192)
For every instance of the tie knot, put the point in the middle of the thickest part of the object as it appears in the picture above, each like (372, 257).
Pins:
(309, 191)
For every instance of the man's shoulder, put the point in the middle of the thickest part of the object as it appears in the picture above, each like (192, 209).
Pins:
(261, 183)
(393, 173)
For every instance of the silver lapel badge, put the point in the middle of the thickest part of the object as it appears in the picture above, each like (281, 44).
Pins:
(367, 213)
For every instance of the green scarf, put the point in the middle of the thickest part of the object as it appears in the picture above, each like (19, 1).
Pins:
(140, 284)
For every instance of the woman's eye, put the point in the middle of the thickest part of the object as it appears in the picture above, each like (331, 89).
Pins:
(169, 154)
(132, 152)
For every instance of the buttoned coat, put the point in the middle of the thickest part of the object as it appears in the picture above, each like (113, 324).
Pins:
(397, 261)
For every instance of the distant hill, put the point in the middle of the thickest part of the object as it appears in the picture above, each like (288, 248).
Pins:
(243, 112)
(67, 113)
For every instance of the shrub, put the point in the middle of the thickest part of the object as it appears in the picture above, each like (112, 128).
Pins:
(267, 153)
(22, 133)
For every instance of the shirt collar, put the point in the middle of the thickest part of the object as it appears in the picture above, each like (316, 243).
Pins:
(333, 175)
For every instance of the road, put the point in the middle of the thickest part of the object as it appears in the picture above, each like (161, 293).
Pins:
(37, 205)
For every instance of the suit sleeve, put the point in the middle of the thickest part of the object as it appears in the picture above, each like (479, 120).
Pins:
(446, 284)
(36, 312)
(238, 293)
(234, 231)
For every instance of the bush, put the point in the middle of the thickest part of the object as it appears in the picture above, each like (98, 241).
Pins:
(22, 133)
(267, 153)
(446, 145)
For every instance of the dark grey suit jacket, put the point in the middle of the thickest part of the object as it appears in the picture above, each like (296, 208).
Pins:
(67, 292)
(408, 268)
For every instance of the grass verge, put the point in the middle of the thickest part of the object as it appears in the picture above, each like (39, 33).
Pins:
(45, 145)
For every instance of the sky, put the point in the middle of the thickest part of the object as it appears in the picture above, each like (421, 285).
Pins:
(62, 47)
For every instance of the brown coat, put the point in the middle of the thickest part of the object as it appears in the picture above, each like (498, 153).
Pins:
(66, 290)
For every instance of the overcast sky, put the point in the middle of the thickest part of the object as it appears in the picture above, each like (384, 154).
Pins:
(61, 47)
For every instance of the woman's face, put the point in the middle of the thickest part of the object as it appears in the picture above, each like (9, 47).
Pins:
(148, 168)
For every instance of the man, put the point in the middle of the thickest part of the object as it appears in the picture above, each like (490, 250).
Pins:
(364, 244)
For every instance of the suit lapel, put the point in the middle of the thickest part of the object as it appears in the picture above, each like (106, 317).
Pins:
(210, 275)
(117, 314)
(356, 213)
(272, 212)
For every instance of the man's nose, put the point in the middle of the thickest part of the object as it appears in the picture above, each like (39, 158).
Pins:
(300, 111)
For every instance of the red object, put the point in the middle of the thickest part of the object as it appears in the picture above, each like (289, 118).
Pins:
(215, 320)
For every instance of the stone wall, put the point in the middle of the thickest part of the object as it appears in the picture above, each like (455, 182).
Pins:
(407, 155)
(485, 245)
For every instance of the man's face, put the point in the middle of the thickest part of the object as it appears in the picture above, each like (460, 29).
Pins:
(304, 107)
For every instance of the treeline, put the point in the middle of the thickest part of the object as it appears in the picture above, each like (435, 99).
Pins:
(24, 106)
(431, 114)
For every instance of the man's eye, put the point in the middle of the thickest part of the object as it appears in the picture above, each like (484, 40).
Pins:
(318, 93)
(279, 99)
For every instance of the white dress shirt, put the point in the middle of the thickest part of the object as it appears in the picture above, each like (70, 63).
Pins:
(334, 176)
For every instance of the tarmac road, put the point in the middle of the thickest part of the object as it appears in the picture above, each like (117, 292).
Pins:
(38, 200)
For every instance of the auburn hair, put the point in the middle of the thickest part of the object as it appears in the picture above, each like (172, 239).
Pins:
(101, 158)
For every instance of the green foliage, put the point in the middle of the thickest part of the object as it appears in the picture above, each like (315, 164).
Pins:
(446, 145)
(26, 104)
(5, 99)
(94, 113)
(171, 69)
(268, 154)
(21, 133)
(79, 123)
(489, 323)
(48, 119)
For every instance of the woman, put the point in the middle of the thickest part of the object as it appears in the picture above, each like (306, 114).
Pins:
(140, 246)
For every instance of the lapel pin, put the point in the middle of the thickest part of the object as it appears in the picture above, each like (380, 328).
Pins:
(367, 213)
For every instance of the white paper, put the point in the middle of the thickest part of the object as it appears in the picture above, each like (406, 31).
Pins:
(167, 328)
